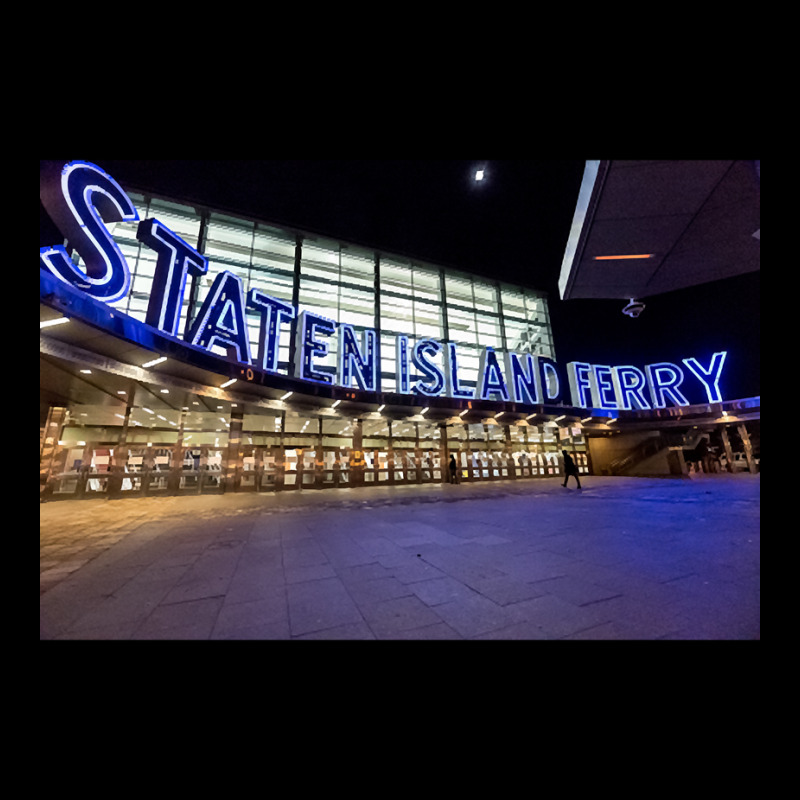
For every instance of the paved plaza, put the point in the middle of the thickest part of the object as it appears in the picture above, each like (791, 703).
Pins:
(622, 559)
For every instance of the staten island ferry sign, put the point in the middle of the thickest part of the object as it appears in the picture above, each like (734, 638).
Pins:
(81, 198)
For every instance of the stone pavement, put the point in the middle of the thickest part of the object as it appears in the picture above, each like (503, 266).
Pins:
(625, 558)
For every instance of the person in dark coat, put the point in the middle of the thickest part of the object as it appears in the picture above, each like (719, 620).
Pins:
(569, 469)
(453, 469)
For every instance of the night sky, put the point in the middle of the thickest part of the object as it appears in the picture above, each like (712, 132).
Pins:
(513, 226)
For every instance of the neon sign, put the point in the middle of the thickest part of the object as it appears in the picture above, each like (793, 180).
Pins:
(81, 199)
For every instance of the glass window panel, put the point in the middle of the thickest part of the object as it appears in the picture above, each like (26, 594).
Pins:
(428, 432)
(426, 284)
(203, 420)
(427, 320)
(273, 284)
(461, 325)
(337, 427)
(375, 427)
(395, 277)
(301, 424)
(485, 296)
(358, 268)
(476, 432)
(458, 289)
(320, 260)
(266, 423)
(183, 220)
(401, 428)
(273, 249)
(513, 301)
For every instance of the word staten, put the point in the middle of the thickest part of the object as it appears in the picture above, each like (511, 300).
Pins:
(81, 199)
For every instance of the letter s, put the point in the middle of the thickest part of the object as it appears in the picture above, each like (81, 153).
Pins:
(79, 197)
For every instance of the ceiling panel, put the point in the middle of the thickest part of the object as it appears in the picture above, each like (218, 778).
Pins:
(697, 217)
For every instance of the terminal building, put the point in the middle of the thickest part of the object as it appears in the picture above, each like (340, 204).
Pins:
(184, 350)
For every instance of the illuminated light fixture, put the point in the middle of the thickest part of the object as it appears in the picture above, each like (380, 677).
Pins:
(86, 371)
(380, 408)
(148, 410)
(154, 362)
(121, 416)
(497, 416)
(563, 416)
(48, 323)
(623, 258)
(480, 174)
(336, 404)
(120, 391)
(586, 419)
(165, 391)
(287, 395)
(465, 411)
(227, 383)
(531, 415)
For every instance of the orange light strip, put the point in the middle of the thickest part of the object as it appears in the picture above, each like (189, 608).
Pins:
(622, 258)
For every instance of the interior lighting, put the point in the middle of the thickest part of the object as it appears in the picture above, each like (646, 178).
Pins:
(586, 419)
(121, 391)
(623, 258)
(380, 408)
(563, 416)
(480, 174)
(227, 383)
(530, 416)
(287, 395)
(154, 362)
(465, 411)
(148, 410)
(86, 371)
(165, 391)
(424, 410)
(336, 404)
(48, 323)
(497, 416)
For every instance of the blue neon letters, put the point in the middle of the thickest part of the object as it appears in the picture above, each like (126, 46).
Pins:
(81, 198)
(175, 260)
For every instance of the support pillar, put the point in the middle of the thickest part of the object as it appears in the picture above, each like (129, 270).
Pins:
(231, 460)
(748, 448)
(56, 418)
(726, 443)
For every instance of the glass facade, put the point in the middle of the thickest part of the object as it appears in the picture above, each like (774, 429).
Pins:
(342, 282)
(204, 447)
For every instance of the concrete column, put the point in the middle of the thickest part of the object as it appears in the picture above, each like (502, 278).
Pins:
(231, 460)
(748, 448)
(357, 455)
(56, 418)
(726, 443)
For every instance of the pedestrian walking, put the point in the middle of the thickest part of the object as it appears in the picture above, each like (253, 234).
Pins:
(569, 469)
(453, 469)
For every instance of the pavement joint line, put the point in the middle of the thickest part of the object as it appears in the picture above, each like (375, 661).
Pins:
(643, 548)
